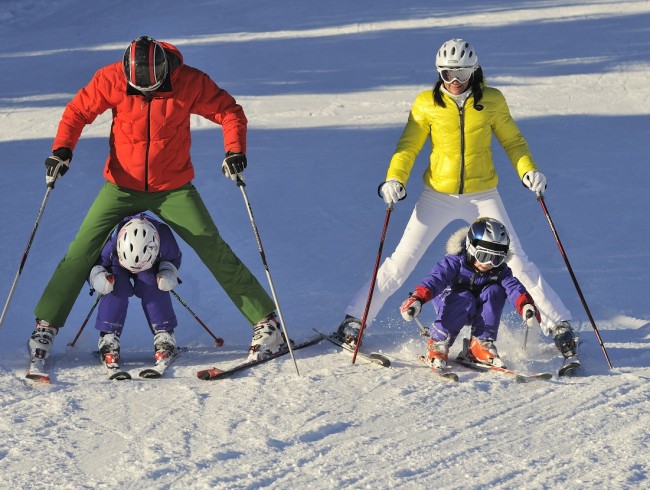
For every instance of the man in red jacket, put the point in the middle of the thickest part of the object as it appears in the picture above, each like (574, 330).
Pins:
(152, 94)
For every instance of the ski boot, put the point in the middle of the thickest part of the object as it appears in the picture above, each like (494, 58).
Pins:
(40, 343)
(484, 351)
(164, 344)
(566, 342)
(437, 354)
(564, 339)
(267, 339)
(348, 331)
(109, 349)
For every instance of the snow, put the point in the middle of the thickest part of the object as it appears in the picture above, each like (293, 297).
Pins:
(327, 87)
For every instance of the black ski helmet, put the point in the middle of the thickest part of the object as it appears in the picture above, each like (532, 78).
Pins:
(145, 64)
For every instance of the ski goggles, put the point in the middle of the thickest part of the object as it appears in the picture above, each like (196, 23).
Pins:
(485, 256)
(461, 74)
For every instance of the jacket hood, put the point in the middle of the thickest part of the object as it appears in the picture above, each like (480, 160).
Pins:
(456, 242)
(175, 56)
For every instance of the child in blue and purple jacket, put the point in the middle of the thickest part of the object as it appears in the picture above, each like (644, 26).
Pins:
(469, 286)
(140, 258)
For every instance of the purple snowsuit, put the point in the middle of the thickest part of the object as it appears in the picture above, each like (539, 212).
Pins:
(464, 296)
(157, 304)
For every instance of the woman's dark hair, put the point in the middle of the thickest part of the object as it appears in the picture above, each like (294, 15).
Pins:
(476, 85)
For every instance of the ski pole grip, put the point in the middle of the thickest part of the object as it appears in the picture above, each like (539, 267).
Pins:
(529, 315)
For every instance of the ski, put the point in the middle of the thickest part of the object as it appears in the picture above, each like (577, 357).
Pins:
(520, 377)
(445, 375)
(158, 370)
(570, 367)
(216, 373)
(115, 373)
(373, 357)
(36, 371)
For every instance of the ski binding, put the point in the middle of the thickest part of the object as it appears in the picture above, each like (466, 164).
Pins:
(36, 371)
(161, 365)
(445, 375)
(373, 357)
(570, 367)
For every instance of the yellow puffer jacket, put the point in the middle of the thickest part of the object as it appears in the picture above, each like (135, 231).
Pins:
(461, 155)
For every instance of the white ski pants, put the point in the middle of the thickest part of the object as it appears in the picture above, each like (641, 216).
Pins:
(433, 212)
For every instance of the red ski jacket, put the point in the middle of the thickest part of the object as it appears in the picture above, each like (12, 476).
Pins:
(150, 137)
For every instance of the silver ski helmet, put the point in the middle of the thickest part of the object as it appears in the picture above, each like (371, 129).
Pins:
(145, 64)
(138, 245)
(487, 242)
(456, 59)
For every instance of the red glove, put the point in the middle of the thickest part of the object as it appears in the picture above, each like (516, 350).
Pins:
(523, 300)
(411, 308)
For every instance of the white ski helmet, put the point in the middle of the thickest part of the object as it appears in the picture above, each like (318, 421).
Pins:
(456, 53)
(488, 241)
(138, 245)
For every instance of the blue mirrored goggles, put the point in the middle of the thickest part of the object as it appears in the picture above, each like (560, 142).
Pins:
(460, 74)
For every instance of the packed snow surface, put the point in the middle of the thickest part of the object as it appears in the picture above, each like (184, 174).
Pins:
(327, 87)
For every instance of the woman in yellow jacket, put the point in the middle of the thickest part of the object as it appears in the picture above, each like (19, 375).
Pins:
(459, 116)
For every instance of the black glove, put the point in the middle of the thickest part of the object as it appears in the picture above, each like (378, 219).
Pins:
(233, 165)
(57, 165)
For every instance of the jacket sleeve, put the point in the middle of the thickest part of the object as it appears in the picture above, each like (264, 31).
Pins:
(169, 249)
(83, 109)
(105, 258)
(217, 105)
(442, 274)
(513, 142)
(513, 287)
(411, 142)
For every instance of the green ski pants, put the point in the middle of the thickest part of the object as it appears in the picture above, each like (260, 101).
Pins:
(184, 211)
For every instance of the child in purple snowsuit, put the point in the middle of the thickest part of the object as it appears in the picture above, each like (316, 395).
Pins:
(469, 286)
(140, 258)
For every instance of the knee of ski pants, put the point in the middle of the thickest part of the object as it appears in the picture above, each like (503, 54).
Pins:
(456, 307)
(492, 299)
(493, 295)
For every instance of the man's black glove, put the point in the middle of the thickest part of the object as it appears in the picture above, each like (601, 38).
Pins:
(57, 165)
(233, 165)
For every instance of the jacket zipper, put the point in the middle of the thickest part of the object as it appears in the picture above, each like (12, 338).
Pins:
(146, 155)
(461, 114)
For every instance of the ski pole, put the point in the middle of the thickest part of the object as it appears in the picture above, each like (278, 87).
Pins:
(50, 186)
(526, 336)
(242, 185)
(218, 341)
(83, 325)
(389, 209)
(530, 322)
(540, 198)
(424, 331)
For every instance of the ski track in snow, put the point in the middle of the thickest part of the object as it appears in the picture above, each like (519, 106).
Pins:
(269, 427)
(327, 90)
